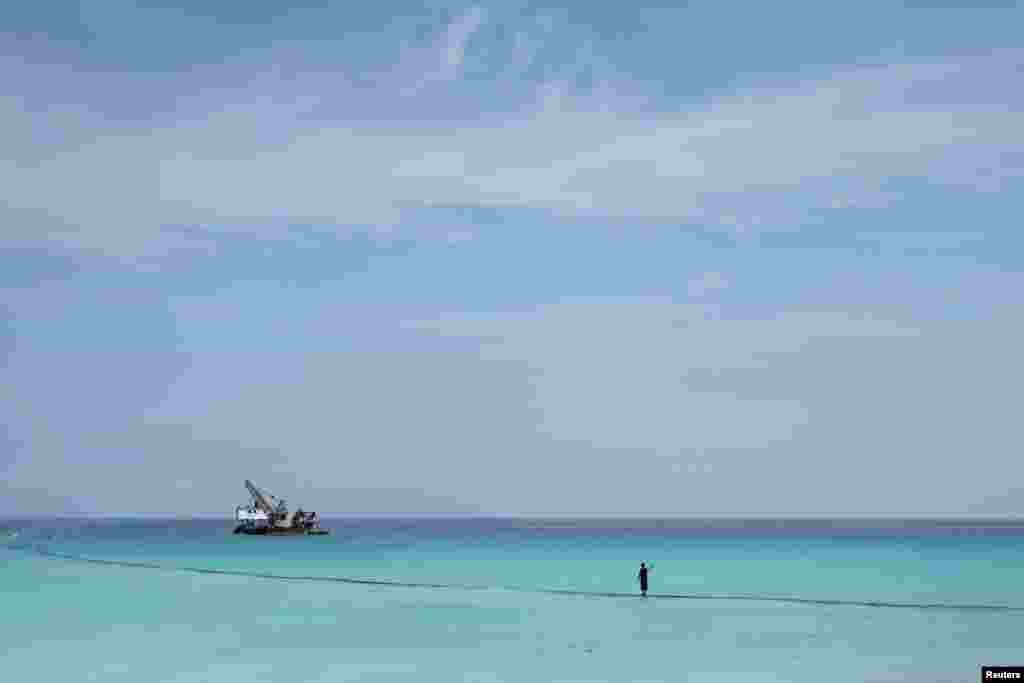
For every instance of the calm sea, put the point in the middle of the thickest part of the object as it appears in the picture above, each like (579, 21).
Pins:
(510, 600)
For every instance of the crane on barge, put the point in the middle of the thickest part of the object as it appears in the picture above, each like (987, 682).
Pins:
(268, 514)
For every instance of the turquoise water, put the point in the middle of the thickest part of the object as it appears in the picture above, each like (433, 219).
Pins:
(490, 619)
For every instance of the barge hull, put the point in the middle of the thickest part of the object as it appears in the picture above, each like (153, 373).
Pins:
(272, 531)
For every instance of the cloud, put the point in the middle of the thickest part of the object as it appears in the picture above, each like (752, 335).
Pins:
(659, 407)
(802, 412)
(456, 37)
(615, 374)
(265, 155)
(450, 50)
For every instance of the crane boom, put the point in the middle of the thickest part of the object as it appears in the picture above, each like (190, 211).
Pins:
(269, 514)
(261, 501)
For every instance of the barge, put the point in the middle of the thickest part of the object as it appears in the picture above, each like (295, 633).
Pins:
(267, 514)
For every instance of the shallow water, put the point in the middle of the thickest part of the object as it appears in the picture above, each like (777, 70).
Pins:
(65, 619)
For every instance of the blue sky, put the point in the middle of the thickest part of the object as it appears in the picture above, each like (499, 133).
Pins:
(727, 259)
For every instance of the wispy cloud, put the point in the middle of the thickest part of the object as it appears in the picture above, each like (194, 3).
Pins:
(449, 51)
(455, 39)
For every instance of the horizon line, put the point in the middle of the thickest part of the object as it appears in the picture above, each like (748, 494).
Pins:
(545, 517)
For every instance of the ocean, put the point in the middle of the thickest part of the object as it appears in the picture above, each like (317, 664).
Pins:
(510, 600)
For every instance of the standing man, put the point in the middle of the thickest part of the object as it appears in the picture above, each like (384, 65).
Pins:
(643, 579)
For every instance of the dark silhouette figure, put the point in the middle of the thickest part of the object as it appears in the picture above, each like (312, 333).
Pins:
(643, 579)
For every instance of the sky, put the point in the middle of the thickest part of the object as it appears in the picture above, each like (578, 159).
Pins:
(693, 259)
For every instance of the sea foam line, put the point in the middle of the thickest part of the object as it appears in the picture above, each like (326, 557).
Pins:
(42, 551)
